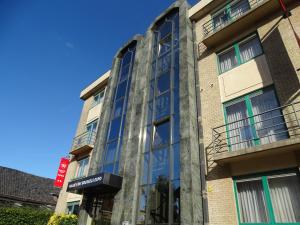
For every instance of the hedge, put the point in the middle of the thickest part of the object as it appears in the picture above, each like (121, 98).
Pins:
(24, 216)
(63, 220)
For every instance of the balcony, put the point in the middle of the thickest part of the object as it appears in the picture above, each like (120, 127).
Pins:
(83, 143)
(267, 133)
(236, 17)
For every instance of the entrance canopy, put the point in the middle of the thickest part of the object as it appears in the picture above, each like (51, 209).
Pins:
(100, 183)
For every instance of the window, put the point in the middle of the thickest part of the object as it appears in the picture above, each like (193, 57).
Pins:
(160, 183)
(91, 127)
(73, 208)
(98, 98)
(254, 119)
(239, 53)
(113, 145)
(229, 13)
(82, 168)
(269, 199)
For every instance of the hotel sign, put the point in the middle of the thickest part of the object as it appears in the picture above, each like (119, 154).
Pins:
(86, 182)
(102, 182)
(61, 173)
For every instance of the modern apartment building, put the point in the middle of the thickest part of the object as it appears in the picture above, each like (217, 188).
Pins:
(200, 121)
(248, 66)
(83, 143)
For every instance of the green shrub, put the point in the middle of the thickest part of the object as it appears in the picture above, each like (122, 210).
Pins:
(24, 216)
(63, 220)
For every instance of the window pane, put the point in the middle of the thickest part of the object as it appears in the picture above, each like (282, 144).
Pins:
(109, 168)
(165, 45)
(146, 168)
(270, 126)
(162, 134)
(239, 8)
(164, 63)
(220, 19)
(111, 150)
(126, 58)
(250, 49)
(239, 130)
(176, 129)
(142, 206)
(165, 29)
(162, 106)
(158, 203)
(252, 203)
(285, 195)
(76, 209)
(176, 163)
(114, 128)
(118, 108)
(124, 72)
(121, 90)
(176, 201)
(163, 83)
(160, 166)
(227, 60)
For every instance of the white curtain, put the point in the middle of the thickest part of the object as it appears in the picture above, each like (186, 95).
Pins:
(220, 20)
(227, 60)
(239, 130)
(269, 126)
(252, 202)
(285, 195)
(250, 49)
(239, 8)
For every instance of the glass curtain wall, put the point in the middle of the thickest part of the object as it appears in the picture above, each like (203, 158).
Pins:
(160, 183)
(111, 154)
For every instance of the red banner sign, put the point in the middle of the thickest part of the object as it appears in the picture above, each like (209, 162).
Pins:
(62, 171)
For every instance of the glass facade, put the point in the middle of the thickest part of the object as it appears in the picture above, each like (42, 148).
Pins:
(111, 154)
(160, 182)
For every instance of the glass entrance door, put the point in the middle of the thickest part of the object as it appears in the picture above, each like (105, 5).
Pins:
(102, 209)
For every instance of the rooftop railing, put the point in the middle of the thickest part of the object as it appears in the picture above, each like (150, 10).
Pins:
(228, 14)
(87, 138)
(264, 128)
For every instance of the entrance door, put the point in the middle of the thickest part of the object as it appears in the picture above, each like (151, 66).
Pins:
(102, 209)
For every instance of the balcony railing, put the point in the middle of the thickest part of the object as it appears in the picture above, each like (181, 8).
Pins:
(228, 14)
(85, 139)
(264, 128)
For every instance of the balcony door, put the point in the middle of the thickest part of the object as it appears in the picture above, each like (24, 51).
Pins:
(254, 119)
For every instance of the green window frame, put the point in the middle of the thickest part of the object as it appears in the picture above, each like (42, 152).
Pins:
(73, 207)
(253, 124)
(238, 57)
(265, 179)
(226, 11)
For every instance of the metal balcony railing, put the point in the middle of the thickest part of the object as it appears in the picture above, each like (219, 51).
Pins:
(228, 14)
(87, 138)
(264, 128)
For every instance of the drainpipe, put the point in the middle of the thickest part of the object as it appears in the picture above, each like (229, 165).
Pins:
(287, 14)
(200, 133)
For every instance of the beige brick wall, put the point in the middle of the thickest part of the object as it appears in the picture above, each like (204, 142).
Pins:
(283, 57)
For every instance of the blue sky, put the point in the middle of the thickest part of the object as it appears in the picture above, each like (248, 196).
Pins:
(49, 51)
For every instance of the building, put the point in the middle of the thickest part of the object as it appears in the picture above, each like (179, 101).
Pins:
(200, 121)
(83, 143)
(248, 84)
(22, 189)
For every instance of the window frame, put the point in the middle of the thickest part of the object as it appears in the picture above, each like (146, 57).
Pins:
(269, 205)
(236, 46)
(78, 167)
(72, 204)
(247, 99)
(101, 98)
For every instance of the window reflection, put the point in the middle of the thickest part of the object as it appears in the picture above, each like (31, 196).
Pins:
(114, 128)
(161, 135)
(162, 106)
(118, 108)
(160, 165)
(158, 202)
(163, 83)
(111, 151)
(121, 90)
